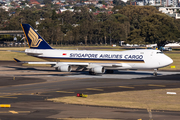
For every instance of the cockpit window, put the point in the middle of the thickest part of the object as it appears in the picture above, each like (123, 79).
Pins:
(159, 52)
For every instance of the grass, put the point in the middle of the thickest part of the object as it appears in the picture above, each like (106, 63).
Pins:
(8, 56)
(146, 99)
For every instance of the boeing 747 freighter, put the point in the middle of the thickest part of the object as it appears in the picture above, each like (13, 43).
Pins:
(97, 62)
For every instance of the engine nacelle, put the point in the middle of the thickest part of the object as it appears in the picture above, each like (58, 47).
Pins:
(98, 70)
(64, 68)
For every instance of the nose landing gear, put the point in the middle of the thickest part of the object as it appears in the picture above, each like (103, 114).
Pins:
(155, 72)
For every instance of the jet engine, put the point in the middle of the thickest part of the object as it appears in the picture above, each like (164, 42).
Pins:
(98, 70)
(64, 68)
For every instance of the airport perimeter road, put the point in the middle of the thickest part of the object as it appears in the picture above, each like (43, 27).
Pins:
(27, 88)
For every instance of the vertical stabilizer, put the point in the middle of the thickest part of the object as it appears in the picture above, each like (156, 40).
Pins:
(34, 40)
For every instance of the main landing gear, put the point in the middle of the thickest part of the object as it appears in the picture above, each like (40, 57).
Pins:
(155, 72)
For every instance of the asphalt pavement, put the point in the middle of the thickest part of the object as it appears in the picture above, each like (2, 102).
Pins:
(28, 88)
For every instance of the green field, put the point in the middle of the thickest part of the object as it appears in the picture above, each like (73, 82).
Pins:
(7, 55)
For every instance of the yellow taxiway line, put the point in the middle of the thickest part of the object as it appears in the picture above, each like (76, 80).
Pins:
(13, 112)
(95, 89)
(5, 105)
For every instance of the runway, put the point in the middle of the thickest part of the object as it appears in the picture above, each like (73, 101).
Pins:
(27, 88)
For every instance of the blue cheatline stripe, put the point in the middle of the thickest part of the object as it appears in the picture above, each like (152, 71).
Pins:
(89, 59)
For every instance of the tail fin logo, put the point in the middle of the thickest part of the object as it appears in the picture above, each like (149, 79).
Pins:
(35, 41)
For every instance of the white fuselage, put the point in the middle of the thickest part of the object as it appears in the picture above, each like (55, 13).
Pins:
(130, 59)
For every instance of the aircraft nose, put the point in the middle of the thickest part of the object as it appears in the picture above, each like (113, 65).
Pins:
(170, 61)
(166, 61)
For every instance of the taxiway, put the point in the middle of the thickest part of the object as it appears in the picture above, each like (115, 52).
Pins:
(27, 88)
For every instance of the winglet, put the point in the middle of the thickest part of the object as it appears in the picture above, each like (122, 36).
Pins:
(16, 60)
(34, 40)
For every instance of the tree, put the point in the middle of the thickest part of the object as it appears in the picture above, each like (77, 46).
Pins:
(76, 34)
(160, 29)
(114, 31)
(84, 30)
(13, 24)
(6, 38)
(125, 24)
(119, 2)
(66, 17)
(54, 15)
(103, 17)
(92, 7)
(95, 34)
(156, 28)
(80, 17)
(137, 13)
(117, 8)
(136, 37)
(69, 37)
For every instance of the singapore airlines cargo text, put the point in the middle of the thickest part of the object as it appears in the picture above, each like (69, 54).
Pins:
(106, 56)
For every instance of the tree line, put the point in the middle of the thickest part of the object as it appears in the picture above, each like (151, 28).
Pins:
(132, 24)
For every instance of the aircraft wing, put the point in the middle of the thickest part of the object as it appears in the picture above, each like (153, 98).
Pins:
(52, 63)
(56, 64)
(44, 63)
(95, 67)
